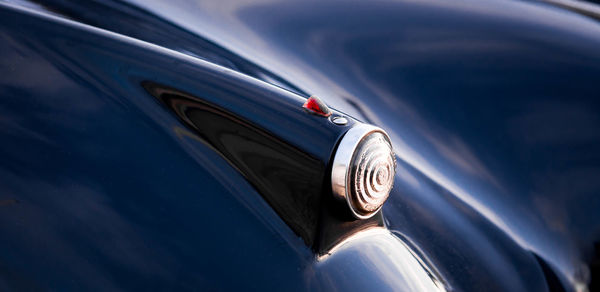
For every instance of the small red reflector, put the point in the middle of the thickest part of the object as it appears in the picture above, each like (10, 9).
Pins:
(316, 106)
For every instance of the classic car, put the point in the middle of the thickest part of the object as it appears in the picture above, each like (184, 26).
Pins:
(291, 145)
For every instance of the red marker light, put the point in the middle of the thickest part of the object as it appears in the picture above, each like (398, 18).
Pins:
(314, 105)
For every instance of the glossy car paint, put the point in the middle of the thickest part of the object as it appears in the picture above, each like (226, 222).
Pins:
(492, 107)
(105, 189)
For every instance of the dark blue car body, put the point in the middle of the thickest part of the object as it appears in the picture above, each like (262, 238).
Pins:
(151, 145)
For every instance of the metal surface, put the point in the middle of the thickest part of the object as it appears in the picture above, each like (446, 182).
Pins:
(348, 165)
(387, 255)
(492, 107)
(340, 121)
(287, 177)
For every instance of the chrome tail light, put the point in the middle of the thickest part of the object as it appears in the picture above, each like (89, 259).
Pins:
(363, 170)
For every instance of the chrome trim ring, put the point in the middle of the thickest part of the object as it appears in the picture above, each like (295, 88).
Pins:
(363, 170)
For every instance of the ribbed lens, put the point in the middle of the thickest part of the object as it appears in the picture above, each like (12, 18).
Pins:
(363, 170)
(371, 174)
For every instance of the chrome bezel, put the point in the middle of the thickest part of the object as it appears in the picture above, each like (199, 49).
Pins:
(340, 170)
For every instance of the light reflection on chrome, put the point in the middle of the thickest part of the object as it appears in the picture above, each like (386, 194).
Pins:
(388, 258)
(363, 170)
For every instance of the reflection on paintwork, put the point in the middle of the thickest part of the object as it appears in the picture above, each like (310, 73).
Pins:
(496, 102)
(390, 262)
(137, 23)
(288, 178)
(468, 90)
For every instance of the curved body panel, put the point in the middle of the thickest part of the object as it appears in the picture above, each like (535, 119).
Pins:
(492, 108)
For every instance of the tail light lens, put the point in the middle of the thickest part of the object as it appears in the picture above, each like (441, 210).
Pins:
(363, 170)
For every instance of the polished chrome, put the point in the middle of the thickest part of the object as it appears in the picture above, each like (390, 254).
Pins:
(363, 170)
(340, 121)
